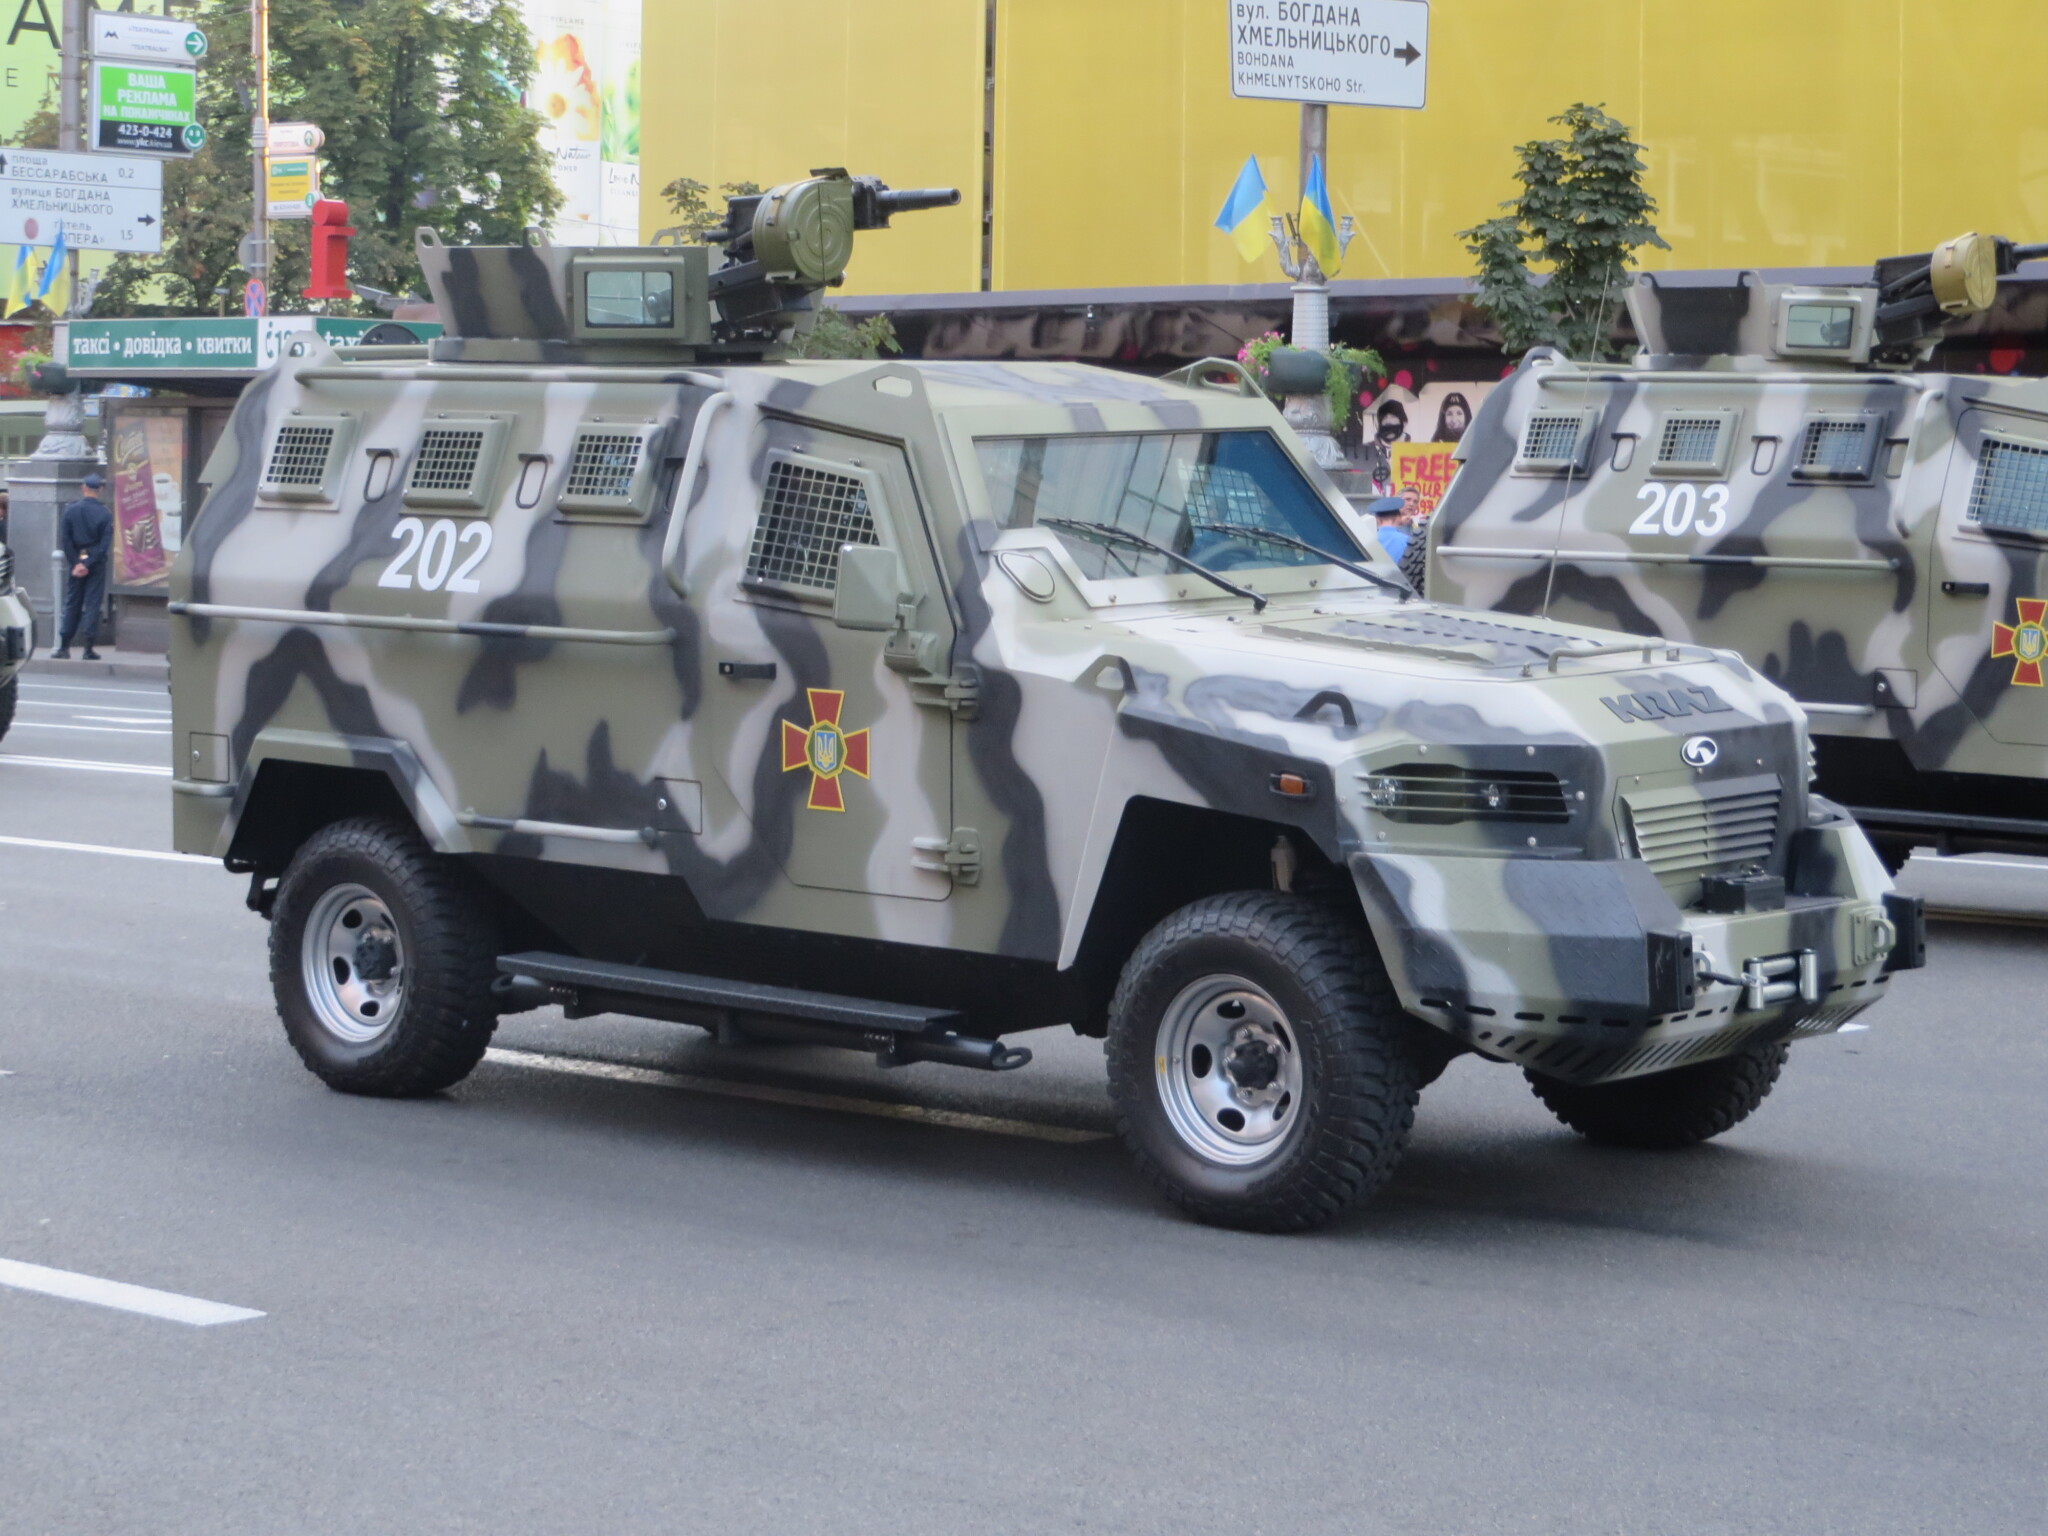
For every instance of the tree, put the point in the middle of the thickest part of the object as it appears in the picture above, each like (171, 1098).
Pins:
(1584, 211)
(423, 125)
(690, 200)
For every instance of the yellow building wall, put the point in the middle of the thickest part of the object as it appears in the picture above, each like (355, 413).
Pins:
(1777, 132)
(766, 90)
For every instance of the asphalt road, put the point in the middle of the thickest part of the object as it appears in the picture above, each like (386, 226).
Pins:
(619, 1281)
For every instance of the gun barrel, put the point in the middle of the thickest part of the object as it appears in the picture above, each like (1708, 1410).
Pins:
(914, 199)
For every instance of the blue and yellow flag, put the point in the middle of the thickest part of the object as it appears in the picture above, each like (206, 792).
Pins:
(1245, 215)
(55, 288)
(1318, 226)
(17, 287)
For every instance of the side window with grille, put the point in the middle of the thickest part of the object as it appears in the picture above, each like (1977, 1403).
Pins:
(1837, 445)
(2009, 493)
(455, 464)
(611, 473)
(304, 460)
(1555, 442)
(810, 509)
(1693, 444)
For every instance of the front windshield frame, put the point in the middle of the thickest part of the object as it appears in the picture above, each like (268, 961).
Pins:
(1183, 487)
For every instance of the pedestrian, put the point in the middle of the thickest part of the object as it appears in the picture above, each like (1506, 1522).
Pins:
(1392, 529)
(87, 534)
(1411, 504)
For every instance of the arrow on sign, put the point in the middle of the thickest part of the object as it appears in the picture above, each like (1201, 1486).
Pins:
(146, 219)
(1408, 53)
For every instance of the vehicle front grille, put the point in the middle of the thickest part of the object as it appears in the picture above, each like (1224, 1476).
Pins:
(1692, 831)
(1441, 794)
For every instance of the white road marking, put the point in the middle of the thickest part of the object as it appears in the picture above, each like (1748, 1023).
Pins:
(767, 1093)
(127, 719)
(103, 730)
(85, 763)
(140, 693)
(124, 853)
(168, 1305)
(1970, 861)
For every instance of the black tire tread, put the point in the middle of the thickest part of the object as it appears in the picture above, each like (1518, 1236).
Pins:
(449, 1015)
(10, 691)
(1371, 1080)
(1664, 1110)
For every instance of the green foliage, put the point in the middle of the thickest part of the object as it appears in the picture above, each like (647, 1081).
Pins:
(833, 335)
(1582, 214)
(423, 125)
(1340, 383)
(690, 200)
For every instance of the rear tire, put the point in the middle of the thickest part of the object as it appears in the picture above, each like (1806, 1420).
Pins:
(9, 691)
(1259, 1063)
(1681, 1108)
(381, 960)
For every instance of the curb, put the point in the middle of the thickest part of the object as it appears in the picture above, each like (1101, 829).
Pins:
(144, 669)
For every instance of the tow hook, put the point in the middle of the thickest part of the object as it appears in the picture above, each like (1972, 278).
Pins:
(1773, 979)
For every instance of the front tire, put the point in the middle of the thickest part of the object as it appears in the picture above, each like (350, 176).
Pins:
(1681, 1108)
(9, 692)
(1258, 1061)
(381, 960)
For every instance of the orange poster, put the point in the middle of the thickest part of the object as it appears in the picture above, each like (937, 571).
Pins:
(1426, 466)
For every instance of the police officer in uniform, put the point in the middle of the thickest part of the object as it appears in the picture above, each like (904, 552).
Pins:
(87, 534)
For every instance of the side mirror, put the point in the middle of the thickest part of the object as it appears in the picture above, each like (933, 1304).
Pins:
(871, 588)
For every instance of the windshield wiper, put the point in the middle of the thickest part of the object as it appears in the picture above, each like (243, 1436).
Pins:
(1288, 539)
(1118, 535)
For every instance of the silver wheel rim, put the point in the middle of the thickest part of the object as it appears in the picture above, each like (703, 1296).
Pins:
(1229, 1071)
(353, 964)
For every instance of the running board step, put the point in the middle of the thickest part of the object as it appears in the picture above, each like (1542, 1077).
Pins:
(898, 1033)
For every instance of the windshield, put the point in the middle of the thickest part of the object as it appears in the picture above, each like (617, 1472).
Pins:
(1205, 495)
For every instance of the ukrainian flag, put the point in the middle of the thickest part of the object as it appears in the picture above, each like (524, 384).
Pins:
(17, 287)
(55, 288)
(1318, 227)
(1245, 215)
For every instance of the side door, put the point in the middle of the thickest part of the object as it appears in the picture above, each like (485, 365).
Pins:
(819, 738)
(1988, 596)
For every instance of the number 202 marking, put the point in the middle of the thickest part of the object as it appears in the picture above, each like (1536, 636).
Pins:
(435, 544)
(1672, 508)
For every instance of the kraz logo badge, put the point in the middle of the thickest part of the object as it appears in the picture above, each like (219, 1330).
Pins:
(1699, 751)
(1668, 704)
(2025, 642)
(826, 749)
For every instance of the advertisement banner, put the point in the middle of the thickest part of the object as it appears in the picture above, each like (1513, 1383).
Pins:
(147, 454)
(586, 87)
(141, 109)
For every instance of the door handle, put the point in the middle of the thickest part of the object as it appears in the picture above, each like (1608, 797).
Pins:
(748, 671)
(1967, 588)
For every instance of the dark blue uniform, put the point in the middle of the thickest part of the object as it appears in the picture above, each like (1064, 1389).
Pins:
(87, 534)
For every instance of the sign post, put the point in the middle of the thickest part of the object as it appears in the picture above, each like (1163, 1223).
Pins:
(1358, 53)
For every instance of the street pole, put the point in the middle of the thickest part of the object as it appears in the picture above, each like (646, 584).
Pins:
(259, 142)
(1309, 415)
(71, 116)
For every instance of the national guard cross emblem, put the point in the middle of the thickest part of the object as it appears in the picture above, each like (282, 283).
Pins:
(2026, 642)
(826, 749)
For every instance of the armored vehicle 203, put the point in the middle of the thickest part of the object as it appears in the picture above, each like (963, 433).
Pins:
(16, 637)
(599, 655)
(1775, 474)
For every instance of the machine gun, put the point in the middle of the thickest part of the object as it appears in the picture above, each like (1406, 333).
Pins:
(542, 303)
(1917, 296)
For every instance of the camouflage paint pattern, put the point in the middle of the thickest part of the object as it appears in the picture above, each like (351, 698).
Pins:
(958, 783)
(1878, 601)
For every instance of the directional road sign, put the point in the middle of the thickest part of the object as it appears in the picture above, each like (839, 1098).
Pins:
(1358, 53)
(146, 39)
(102, 204)
(144, 109)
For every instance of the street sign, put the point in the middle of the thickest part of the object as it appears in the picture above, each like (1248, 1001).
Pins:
(100, 204)
(292, 139)
(231, 345)
(291, 186)
(255, 298)
(146, 39)
(1354, 53)
(142, 109)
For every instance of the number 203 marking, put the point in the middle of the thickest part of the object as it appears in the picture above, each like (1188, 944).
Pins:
(1675, 510)
(435, 545)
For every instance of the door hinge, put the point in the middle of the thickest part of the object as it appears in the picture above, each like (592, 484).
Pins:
(959, 692)
(958, 856)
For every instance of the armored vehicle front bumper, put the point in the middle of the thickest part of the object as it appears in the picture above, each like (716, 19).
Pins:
(1587, 970)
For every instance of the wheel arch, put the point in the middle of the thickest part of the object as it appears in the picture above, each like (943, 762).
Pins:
(296, 782)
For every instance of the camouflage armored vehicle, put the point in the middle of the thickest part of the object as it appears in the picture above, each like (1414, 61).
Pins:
(1775, 474)
(16, 637)
(597, 654)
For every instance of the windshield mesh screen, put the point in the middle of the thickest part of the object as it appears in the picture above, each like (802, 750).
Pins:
(1229, 500)
(806, 515)
(2011, 489)
(299, 456)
